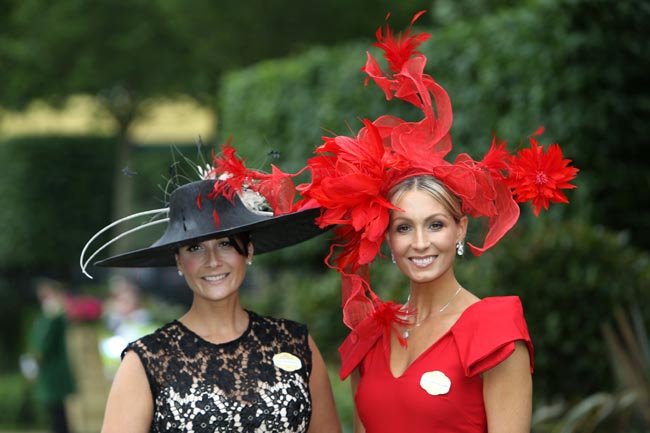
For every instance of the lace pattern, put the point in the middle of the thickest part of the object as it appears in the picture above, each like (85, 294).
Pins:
(236, 386)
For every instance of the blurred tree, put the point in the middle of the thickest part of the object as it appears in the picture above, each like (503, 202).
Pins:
(111, 49)
(127, 52)
(232, 34)
(130, 52)
(569, 276)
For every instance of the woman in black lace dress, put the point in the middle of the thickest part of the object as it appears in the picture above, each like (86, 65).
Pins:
(220, 367)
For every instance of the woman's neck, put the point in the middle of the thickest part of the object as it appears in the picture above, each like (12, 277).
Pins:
(216, 322)
(432, 297)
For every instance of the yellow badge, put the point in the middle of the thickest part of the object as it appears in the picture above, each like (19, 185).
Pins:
(435, 382)
(287, 361)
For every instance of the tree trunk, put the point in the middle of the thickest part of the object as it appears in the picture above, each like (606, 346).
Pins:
(122, 186)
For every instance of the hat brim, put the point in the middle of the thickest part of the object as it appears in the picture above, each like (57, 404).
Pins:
(266, 235)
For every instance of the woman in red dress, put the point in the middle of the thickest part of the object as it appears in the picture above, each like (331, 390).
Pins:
(467, 363)
(444, 361)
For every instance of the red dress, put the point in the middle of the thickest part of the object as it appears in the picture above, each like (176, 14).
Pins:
(442, 390)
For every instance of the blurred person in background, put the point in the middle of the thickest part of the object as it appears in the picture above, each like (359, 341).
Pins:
(123, 309)
(126, 320)
(47, 345)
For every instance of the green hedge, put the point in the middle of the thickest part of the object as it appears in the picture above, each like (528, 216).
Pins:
(18, 409)
(570, 276)
(55, 191)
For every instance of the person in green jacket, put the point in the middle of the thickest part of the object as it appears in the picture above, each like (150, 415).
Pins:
(54, 381)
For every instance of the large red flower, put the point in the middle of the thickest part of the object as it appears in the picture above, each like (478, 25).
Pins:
(540, 177)
(347, 182)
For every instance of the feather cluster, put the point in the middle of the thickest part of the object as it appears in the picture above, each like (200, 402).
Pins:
(351, 176)
(277, 187)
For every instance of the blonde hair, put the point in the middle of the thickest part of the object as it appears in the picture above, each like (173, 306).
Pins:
(434, 187)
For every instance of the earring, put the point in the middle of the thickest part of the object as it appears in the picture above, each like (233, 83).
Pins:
(460, 247)
(392, 257)
(180, 273)
(249, 262)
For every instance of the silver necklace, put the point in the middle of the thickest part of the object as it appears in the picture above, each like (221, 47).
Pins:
(407, 331)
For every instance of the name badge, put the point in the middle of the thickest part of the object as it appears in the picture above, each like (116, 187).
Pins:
(287, 362)
(435, 382)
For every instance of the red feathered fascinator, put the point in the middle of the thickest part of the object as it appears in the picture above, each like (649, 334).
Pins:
(351, 176)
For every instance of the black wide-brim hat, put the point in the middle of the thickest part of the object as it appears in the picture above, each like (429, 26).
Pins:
(190, 222)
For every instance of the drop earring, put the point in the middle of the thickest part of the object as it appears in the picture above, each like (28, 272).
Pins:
(392, 257)
(249, 262)
(180, 273)
(460, 247)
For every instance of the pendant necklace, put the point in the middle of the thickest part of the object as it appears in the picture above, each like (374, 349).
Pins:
(408, 330)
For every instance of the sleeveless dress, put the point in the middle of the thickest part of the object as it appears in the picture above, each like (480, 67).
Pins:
(442, 390)
(256, 383)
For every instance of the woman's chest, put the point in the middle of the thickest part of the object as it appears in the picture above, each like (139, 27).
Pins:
(432, 390)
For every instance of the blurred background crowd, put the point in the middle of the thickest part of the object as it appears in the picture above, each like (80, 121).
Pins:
(98, 100)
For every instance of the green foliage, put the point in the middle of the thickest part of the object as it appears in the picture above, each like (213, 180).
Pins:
(55, 192)
(599, 412)
(108, 47)
(218, 32)
(295, 100)
(18, 409)
(17, 307)
(568, 275)
(625, 409)
(54, 195)
(629, 347)
(132, 51)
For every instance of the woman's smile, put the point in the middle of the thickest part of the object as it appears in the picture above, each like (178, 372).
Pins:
(422, 262)
(215, 278)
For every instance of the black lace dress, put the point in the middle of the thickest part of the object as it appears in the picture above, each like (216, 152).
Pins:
(256, 383)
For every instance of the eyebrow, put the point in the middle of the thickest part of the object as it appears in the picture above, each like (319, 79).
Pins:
(435, 215)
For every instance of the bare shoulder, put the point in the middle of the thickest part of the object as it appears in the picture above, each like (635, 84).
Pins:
(130, 402)
(507, 390)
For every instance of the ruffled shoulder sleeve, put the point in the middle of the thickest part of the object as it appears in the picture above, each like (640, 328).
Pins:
(487, 331)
